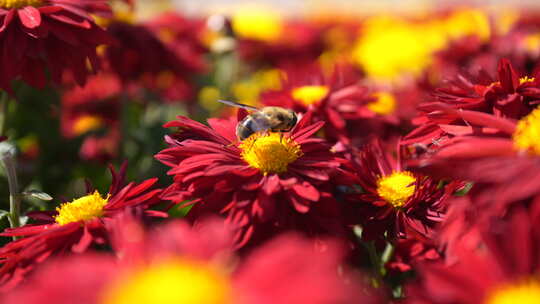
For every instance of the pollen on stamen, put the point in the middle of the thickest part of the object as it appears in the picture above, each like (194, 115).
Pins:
(396, 188)
(525, 79)
(81, 209)
(527, 133)
(310, 94)
(9, 4)
(270, 153)
(384, 104)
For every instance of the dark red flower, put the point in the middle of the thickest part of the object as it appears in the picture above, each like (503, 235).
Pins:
(394, 200)
(49, 35)
(74, 227)
(508, 96)
(268, 182)
(179, 264)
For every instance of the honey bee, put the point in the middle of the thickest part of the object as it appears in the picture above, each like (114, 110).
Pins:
(275, 119)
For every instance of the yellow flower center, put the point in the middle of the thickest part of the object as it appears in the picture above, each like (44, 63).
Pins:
(9, 4)
(257, 23)
(170, 282)
(270, 153)
(527, 292)
(396, 188)
(87, 123)
(525, 79)
(384, 105)
(527, 134)
(81, 209)
(310, 94)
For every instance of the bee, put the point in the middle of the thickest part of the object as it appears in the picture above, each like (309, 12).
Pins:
(275, 119)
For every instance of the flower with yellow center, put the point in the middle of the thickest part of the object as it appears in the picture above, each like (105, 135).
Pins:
(310, 94)
(527, 134)
(172, 281)
(81, 209)
(9, 4)
(396, 188)
(385, 104)
(270, 153)
(527, 292)
(87, 123)
(257, 23)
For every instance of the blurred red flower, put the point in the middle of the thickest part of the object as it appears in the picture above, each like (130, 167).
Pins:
(73, 227)
(339, 100)
(88, 110)
(49, 35)
(508, 259)
(179, 264)
(266, 183)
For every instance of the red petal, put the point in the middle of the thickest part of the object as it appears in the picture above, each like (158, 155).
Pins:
(307, 191)
(30, 16)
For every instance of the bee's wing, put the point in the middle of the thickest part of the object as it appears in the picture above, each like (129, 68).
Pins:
(238, 105)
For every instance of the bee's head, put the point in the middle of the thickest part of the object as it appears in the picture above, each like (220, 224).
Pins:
(294, 119)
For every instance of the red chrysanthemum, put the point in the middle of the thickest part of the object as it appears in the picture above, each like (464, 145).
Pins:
(502, 268)
(509, 96)
(394, 200)
(339, 100)
(49, 35)
(180, 264)
(73, 227)
(268, 182)
(501, 152)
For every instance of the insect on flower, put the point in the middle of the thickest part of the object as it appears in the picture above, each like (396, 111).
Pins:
(275, 119)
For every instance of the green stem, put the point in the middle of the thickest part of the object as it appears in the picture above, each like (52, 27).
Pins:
(7, 155)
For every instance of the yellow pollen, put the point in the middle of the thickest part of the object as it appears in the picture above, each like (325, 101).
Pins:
(81, 209)
(527, 134)
(527, 292)
(384, 105)
(86, 123)
(396, 188)
(270, 153)
(525, 79)
(9, 4)
(310, 94)
(257, 23)
(172, 281)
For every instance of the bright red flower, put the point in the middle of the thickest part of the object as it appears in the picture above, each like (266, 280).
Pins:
(49, 35)
(508, 259)
(267, 183)
(179, 264)
(74, 227)
(394, 200)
